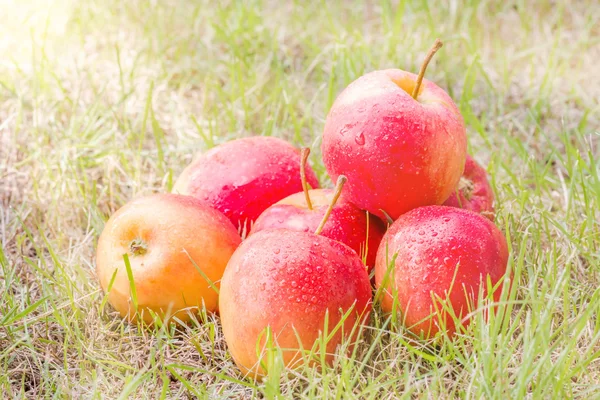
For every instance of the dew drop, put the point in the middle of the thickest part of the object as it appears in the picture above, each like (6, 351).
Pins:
(276, 251)
(360, 139)
(294, 284)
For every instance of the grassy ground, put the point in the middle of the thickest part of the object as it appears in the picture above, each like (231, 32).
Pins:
(101, 101)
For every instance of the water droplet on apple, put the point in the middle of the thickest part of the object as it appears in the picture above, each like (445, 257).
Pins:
(319, 269)
(360, 139)
(276, 251)
(294, 284)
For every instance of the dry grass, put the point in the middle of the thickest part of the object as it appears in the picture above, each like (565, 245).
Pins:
(101, 101)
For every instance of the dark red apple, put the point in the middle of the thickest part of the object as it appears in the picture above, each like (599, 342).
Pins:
(346, 223)
(473, 192)
(398, 138)
(243, 177)
(296, 284)
(444, 253)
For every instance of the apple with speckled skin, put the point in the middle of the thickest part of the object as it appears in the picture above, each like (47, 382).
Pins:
(474, 191)
(290, 282)
(399, 139)
(243, 177)
(442, 255)
(346, 223)
(177, 248)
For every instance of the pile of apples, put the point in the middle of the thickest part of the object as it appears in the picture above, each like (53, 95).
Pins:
(410, 208)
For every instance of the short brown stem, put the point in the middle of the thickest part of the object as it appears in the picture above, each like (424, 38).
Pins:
(436, 46)
(138, 247)
(304, 153)
(339, 185)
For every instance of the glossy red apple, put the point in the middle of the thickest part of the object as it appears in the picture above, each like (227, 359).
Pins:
(400, 141)
(346, 223)
(291, 282)
(442, 252)
(473, 192)
(243, 177)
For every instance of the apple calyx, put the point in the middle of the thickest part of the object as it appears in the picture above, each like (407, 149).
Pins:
(138, 247)
(304, 153)
(339, 185)
(436, 46)
(466, 187)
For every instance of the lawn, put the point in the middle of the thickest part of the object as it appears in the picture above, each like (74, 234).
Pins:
(103, 101)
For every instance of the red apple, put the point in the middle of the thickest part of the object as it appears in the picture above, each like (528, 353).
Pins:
(473, 192)
(177, 249)
(346, 223)
(401, 142)
(243, 177)
(290, 282)
(439, 251)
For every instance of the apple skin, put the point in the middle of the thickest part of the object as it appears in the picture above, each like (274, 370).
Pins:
(243, 177)
(288, 280)
(165, 278)
(429, 243)
(474, 191)
(397, 152)
(346, 223)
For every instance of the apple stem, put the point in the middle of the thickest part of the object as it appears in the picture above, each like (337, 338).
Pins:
(138, 247)
(436, 46)
(339, 185)
(304, 153)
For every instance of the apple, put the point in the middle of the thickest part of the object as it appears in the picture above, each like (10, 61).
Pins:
(177, 248)
(243, 177)
(346, 223)
(399, 139)
(442, 255)
(296, 285)
(473, 192)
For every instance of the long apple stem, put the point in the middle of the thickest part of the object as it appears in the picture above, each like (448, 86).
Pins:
(304, 153)
(436, 46)
(339, 185)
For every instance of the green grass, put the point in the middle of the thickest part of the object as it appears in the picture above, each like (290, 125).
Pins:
(101, 101)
